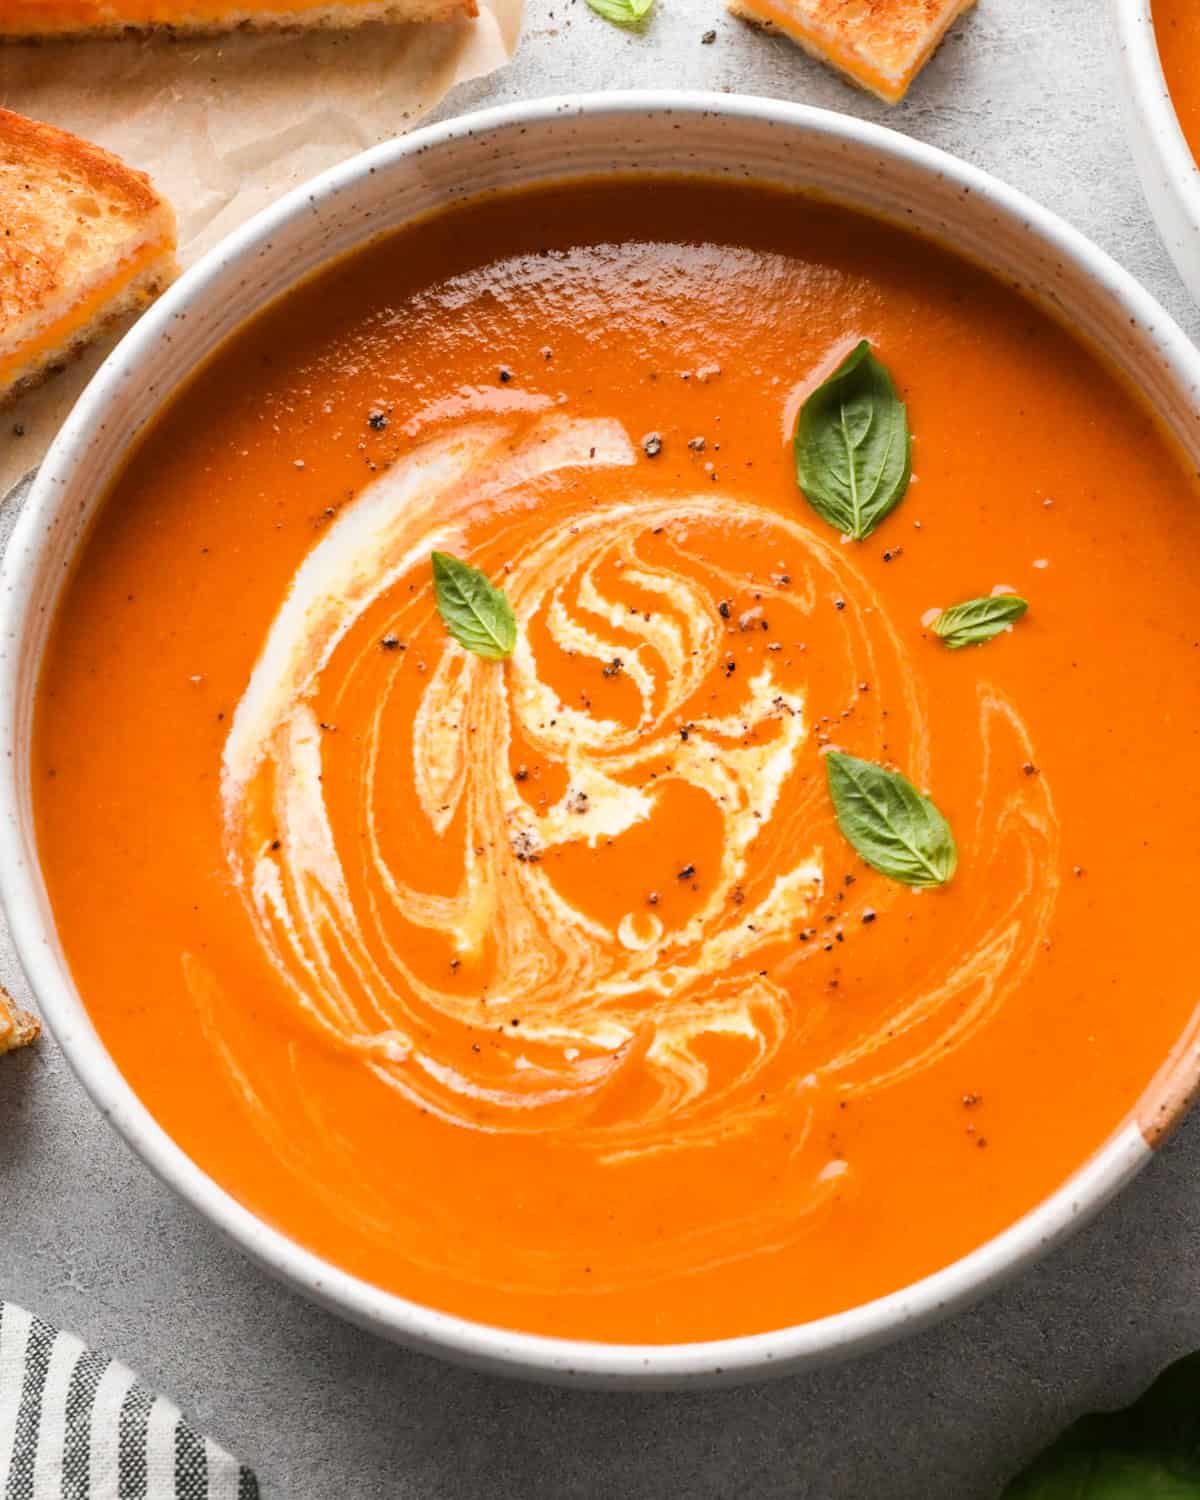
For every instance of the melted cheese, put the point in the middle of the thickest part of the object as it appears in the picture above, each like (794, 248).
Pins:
(60, 333)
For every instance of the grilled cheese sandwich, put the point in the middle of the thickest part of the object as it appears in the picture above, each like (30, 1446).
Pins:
(879, 44)
(17, 1027)
(83, 239)
(31, 20)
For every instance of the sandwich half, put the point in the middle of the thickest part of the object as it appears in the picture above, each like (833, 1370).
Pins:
(31, 20)
(17, 1027)
(83, 239)
(879, 44)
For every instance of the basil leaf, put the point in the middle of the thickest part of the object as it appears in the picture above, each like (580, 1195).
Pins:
(622, 12)
(895, 829)
(1149, 1451)
(475, 611)
(978, 620)
(852, 446)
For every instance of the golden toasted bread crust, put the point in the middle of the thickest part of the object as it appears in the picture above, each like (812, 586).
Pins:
(46, 146)
(111, 18)
(77, 229)
(879, 44)
(17, 1027)
(136, 295)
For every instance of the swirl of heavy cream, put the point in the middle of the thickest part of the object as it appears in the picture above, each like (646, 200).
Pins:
(636, 1034)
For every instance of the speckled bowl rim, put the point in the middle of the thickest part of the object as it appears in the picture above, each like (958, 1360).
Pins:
(725, 1361)
(1168, 171)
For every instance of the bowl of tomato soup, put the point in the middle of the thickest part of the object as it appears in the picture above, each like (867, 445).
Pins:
(1158, 45)
(570, 694)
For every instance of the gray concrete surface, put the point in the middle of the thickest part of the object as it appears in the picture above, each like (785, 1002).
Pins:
(1024, 88)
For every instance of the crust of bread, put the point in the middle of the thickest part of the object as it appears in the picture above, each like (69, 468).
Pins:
(136, 295)
(83, 239)
(40, 145)
(879, 44)
(17, 1027)
(199, 20)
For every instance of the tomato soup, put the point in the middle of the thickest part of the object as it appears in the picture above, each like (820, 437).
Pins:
(1177, 31)
(552, 987)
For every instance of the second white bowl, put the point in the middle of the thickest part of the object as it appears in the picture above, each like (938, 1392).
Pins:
(1168, 171)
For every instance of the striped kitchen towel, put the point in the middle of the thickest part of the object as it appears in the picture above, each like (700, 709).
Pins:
(75, 1425)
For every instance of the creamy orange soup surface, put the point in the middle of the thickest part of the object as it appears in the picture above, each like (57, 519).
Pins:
(547, 990)
(1177, 31)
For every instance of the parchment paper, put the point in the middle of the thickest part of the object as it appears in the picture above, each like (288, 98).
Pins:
(224, 125)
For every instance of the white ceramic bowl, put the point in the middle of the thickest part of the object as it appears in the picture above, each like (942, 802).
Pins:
(1168, 171)
(842, 158)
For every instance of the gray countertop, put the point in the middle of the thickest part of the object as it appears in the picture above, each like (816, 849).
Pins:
(1026, 89)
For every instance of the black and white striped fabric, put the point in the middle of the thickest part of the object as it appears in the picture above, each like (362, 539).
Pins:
(75, 1425)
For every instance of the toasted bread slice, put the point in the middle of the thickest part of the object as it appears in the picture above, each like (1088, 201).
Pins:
(83, 239)
(30, 20)
(880, 44)
(17, 1027)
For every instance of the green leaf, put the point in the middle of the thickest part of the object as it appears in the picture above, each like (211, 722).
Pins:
(853, 448)
(623, 12)
(978, 620)
(895, 829)
(1148, 1451)
(475, 611)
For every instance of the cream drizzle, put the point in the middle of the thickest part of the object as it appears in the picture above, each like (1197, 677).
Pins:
(596, 1004)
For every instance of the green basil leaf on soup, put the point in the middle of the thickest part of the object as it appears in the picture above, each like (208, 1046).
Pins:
(474, 610)
(889, 823)
(978, 620)
(852, 446)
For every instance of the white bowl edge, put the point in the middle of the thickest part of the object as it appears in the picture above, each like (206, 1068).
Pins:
(659, 130)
